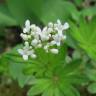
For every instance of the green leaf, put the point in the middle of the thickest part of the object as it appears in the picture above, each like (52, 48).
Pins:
(52, 58)
(78, 2)
(60, 82)
(72, 67)
(90, 11)
(3, 65)
(57, 92)
(91, 73)
(92, 88)
(16, 71)
(6, 18)
(13, 70)
(48, 92)
(46, 61)
(20, 10)
(85, 34)
(70, 40)
(24, 79)
(39, 87)
(69, 90)
(71, 73)
(59, 10)
(76, 55)
(15, 66)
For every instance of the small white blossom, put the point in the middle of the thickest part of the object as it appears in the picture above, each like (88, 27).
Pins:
(65, 26)
(25, 57)
(64, 37)
(27, 26)
(52, 43)
(57, 39)
(29, 36)
(46, 48)
(50, 25)
(34, 42)
(24, 36)
(33, 56)
(49, 38)
(27, 44)
(59, 27)
(26, 51)
(39, 45)
(54, 51)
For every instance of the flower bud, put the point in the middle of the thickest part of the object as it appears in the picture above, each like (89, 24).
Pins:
(54, 51)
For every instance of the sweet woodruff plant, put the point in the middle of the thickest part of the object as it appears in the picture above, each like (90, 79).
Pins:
(49, 38)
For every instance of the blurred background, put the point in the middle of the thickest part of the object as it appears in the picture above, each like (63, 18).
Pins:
(13, 14)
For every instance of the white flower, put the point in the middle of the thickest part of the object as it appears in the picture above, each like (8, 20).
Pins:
(50, 25)
(33, 56)
(26, 51)
(25, 57)
(34, 42)
(44, 37)
(65, 26)
(22, 52)
(39, 45)
(49, 38)
(26, 44)
(35, 32)
(35, 29)
(59, 27)
(29, 36)
(52, 43)
(44, 34)
(57, 39)
(64, 37)
(27, 26)
(46, 47)
(24, 36)
(54, 51)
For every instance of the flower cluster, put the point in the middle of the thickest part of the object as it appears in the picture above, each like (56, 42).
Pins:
(49, 38)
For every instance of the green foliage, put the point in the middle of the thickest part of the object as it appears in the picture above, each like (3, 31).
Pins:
(91, 73)
(5, 16)
(78, 2)
(40, 11)
(60, 82)
(53, 75)
(57, 10)
(19, 75)
(48, 74)
(85, 34)
(14, 65)
(92, 88)
(20, 10)
(91, 11)
(30, 9)
(46, 62)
